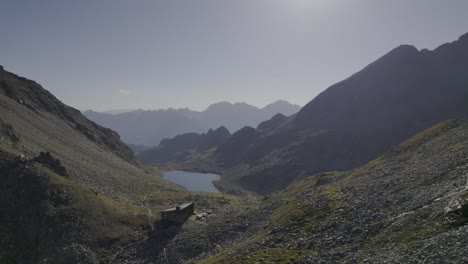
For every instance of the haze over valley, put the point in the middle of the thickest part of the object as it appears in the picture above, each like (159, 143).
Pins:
(148, 128)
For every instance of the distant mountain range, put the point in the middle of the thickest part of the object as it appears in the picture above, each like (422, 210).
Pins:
(116, 111)
(404, 92)
(148, 128)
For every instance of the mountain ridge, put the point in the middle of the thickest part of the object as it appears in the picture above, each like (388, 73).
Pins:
(355, 120)
(182, 146)
(149, 127)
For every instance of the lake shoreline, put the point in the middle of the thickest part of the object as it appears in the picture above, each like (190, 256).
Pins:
(194, 181)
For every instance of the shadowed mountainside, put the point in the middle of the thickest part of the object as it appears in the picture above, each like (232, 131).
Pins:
(182, 146)
(353, 121)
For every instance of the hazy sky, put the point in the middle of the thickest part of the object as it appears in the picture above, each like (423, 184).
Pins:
(108, 54)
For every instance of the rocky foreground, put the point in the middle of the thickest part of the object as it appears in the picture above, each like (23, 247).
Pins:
(407, 206)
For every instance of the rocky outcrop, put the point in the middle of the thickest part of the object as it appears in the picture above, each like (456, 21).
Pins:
(8, 134)
(54, 164)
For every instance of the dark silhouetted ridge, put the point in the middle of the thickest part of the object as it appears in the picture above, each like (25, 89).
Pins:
(274, 122)
(182, 146)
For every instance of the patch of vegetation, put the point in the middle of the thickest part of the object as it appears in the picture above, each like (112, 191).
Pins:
(229, 255)
(269, 255)
(298, 186)
(375, 229)
(457, 147)
(334, 195)
(428, 134)
(366, 168)
(283, 214)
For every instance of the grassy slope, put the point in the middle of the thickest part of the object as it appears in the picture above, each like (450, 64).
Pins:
(87, 162)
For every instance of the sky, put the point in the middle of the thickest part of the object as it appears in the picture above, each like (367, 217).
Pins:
(153, 54)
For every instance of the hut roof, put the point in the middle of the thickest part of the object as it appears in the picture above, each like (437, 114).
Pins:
(182, 207)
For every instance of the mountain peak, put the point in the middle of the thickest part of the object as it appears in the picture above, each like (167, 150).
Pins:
(222, 129)
(402, 50)
(223, 103)
(279, 102)
(275, 121)
(281, 106)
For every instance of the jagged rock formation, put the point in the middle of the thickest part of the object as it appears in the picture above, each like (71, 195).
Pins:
(54, 164)
(8, 133)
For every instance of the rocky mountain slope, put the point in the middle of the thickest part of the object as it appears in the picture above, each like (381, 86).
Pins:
(408, 206)
(353, 121)
(150, 127)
